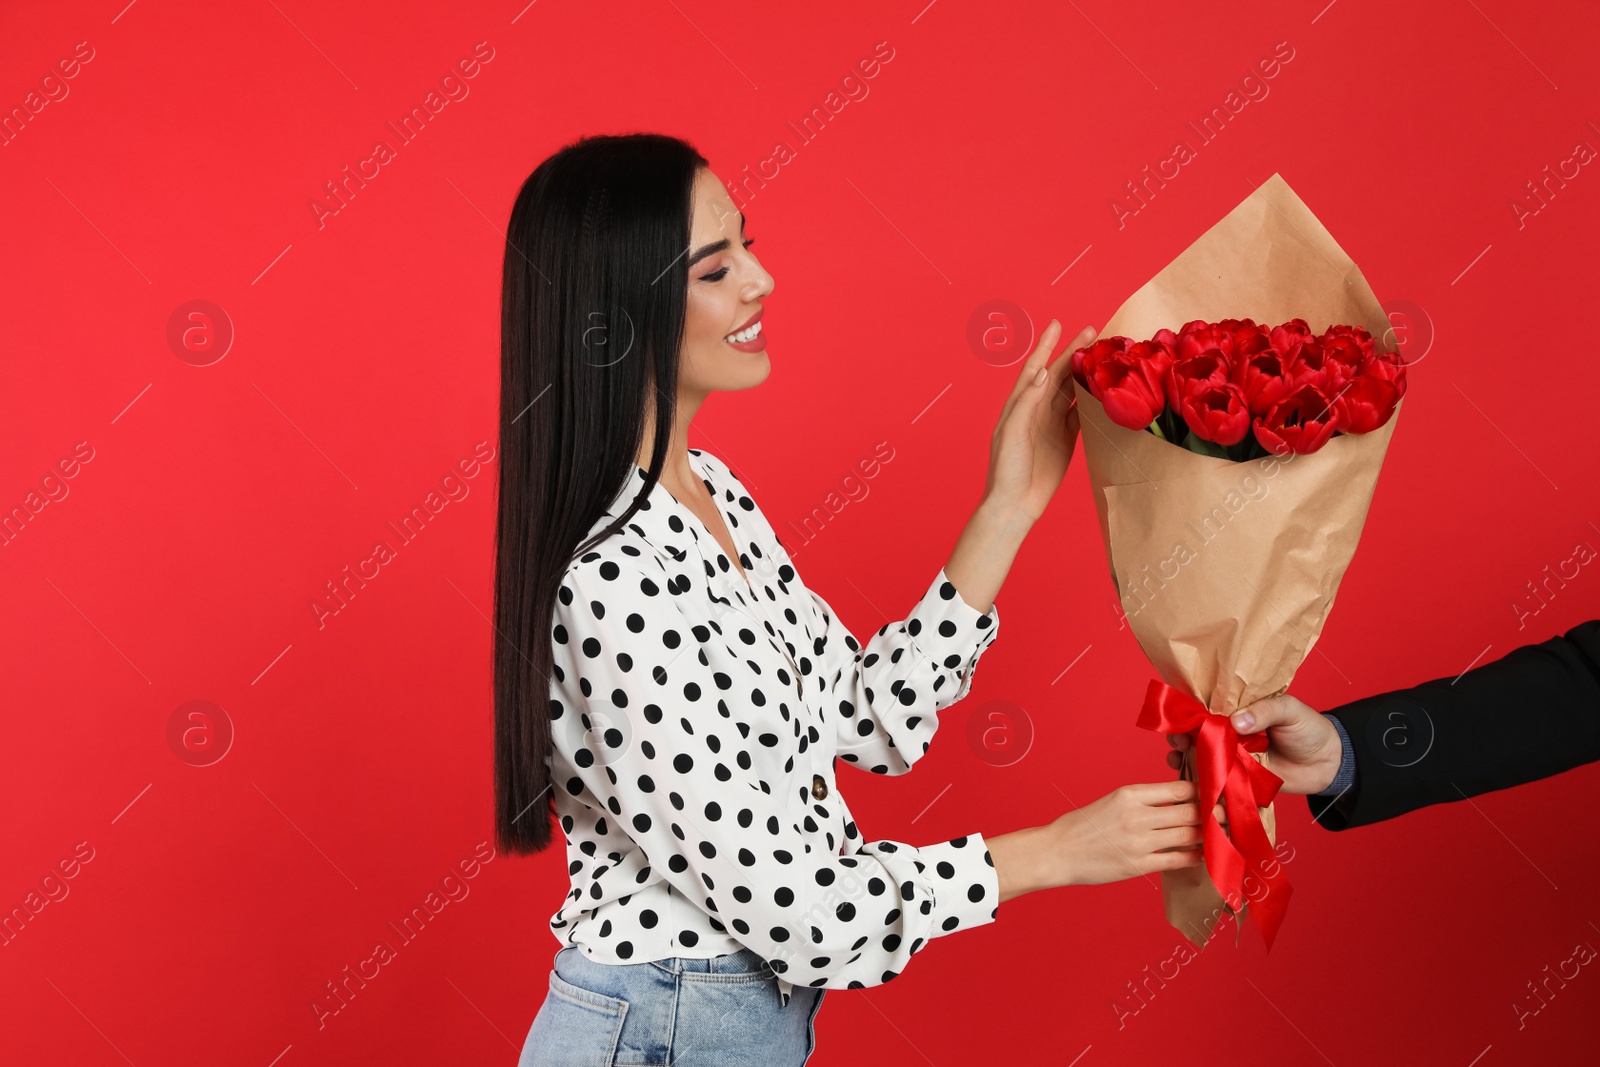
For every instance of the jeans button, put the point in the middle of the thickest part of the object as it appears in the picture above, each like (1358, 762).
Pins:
(819, 788)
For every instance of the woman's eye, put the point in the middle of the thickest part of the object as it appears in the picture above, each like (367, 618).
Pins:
(717, 275)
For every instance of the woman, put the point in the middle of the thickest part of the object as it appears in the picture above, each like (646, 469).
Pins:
(668, 688)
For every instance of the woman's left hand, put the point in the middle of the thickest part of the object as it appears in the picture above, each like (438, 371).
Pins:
(1037, 431)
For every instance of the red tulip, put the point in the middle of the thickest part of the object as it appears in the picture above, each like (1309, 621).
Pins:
(1168, 339)
(1205, 368)
(1131, 394)
(1342, 359)
(1216, 413)
(1304, 362)
(1365, 404)
(1284, 337)
(1265, 378)
(1085, 359)
(1250, 340)
(1156, 355)
(1301, 422)
(1358, 335)
(1390, 366)
(1199, 336)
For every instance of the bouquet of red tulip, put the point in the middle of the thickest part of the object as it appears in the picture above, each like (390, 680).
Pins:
(1232, 465)
(1239, 391)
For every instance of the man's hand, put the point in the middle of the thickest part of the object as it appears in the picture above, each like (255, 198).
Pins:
(1303, 748)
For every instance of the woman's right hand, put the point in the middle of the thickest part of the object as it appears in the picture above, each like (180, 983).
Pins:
(1127, 833)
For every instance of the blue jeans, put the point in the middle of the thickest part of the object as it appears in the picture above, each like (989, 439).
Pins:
(714, 1012)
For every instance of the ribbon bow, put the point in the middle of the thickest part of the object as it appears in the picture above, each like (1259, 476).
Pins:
(1224, 768)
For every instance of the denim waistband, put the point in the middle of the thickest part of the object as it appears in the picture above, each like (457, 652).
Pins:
(745, 961)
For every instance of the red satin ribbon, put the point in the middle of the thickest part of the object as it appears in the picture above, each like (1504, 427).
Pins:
(1225, 769)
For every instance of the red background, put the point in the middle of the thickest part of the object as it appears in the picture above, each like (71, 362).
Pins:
(183, 561)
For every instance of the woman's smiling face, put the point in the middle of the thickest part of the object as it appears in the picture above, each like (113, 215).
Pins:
(724, 339)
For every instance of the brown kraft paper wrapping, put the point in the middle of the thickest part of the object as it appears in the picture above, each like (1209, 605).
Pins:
(1227, 571)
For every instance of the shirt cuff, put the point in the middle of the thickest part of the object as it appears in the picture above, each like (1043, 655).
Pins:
(966, 886)
(1347, 763)
(952, 633)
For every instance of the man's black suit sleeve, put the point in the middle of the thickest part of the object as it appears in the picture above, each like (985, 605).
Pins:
(1532, 713)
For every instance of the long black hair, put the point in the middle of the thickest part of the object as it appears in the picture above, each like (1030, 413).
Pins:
(592, 311)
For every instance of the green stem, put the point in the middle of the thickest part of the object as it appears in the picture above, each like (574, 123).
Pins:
(1205, 448)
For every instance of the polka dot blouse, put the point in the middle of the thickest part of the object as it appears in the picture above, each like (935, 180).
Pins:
(697, 719)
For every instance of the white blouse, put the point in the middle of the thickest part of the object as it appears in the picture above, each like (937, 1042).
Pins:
(696, 722)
